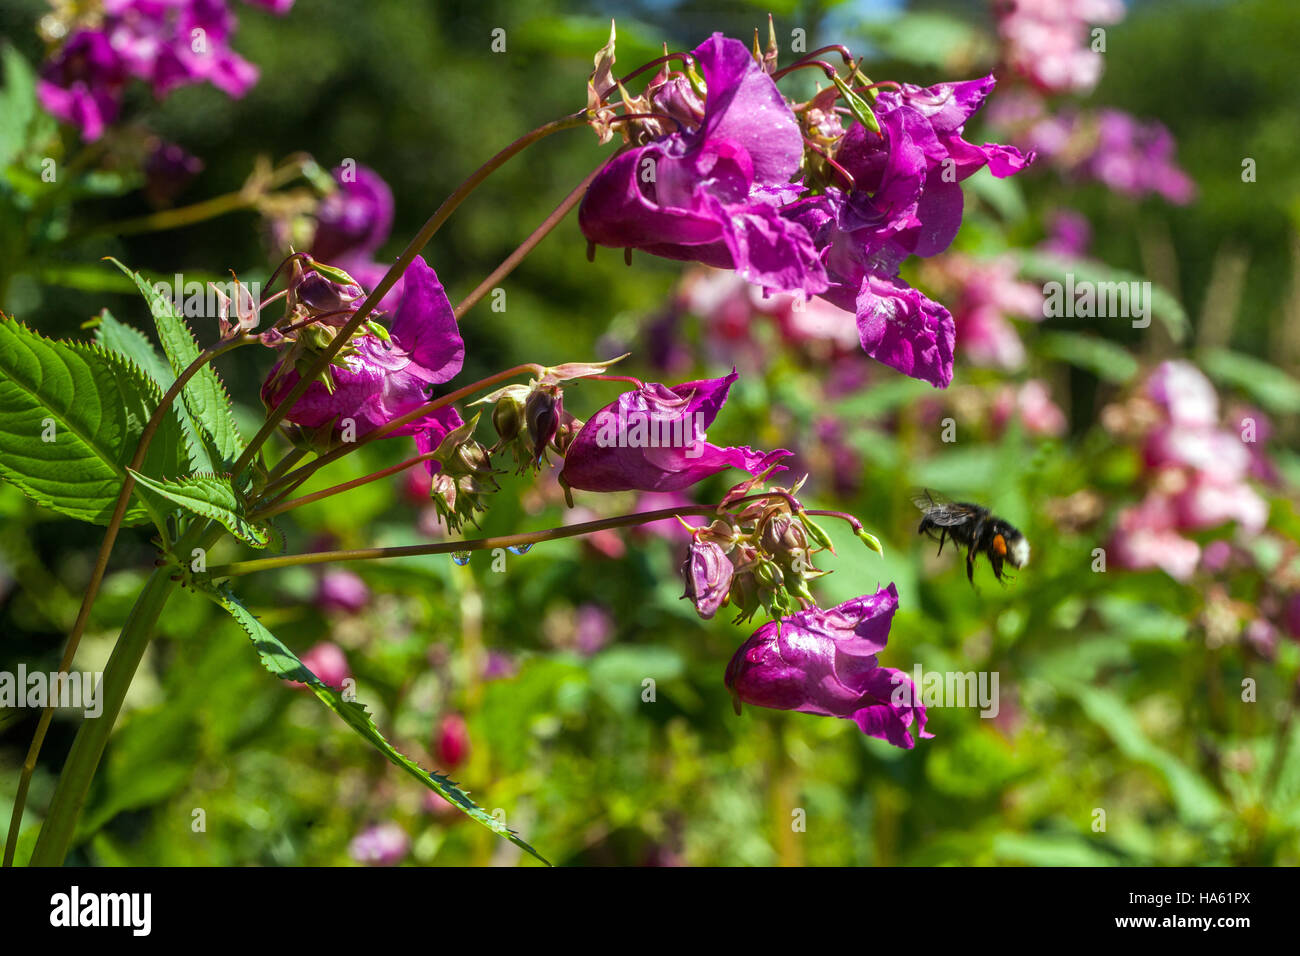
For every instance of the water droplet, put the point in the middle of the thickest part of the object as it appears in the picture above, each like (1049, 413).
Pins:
(460, 557)
(519, 548)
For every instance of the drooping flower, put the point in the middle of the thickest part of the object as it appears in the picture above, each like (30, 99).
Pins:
(652, 439)
(825, 662)
(168, 170)
(592, 629)
(708, 572)
(382, 379)
(906, 200)
(712, 193)
(355, 220)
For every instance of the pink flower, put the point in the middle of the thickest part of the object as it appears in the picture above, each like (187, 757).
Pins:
(1146, 537)
(327, 661)
(385, 844)
(341, 591)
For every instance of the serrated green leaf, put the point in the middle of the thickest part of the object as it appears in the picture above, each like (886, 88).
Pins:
(1162, 302)
(131, 342)
(283, 663)
(212, 496)
(95, 405)
(204, 396)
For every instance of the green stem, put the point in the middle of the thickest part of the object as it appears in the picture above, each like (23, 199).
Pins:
(448, 547)
(538, 234)
(83, 759)
(245, 197)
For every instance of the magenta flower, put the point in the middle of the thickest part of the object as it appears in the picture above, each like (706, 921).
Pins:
(712, 193)
(824, 662)
(906, 201)
(354, 221)
(708, 572)
(383, 380)
(384, 844)
(82, 83)
(1146, 536)
(652, 439)
(166, 43)
(1046, 41)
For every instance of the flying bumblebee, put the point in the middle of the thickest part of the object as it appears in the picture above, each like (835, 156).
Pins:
(974, 527)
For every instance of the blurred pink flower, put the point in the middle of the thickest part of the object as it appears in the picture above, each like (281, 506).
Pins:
(451, 742)
(1048, 41)
(593, 627)
(341, 591)
(384, 844)
(1146, 537)
(1032, 402)
(327, 661)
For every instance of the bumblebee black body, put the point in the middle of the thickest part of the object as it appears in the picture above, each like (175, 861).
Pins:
(976, 529)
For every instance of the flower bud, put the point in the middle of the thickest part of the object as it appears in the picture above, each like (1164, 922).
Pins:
(542, 413)
(708, 574)
(508, 417)
(333, 296)
(782, 535)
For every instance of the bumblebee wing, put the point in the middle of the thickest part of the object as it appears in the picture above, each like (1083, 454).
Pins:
(941, 510)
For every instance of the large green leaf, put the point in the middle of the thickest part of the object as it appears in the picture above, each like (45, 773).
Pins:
(119, 337)
(131, 342)
(284, 664)
(95, 405)
(204, 396)
(212, 496)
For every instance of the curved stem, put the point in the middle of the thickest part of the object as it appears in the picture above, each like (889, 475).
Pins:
(516, 257)
(83, 759)
(70, 794)
(443, 212)
(97, 575)
(279, 507)
(448, 547)
(242, 198)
